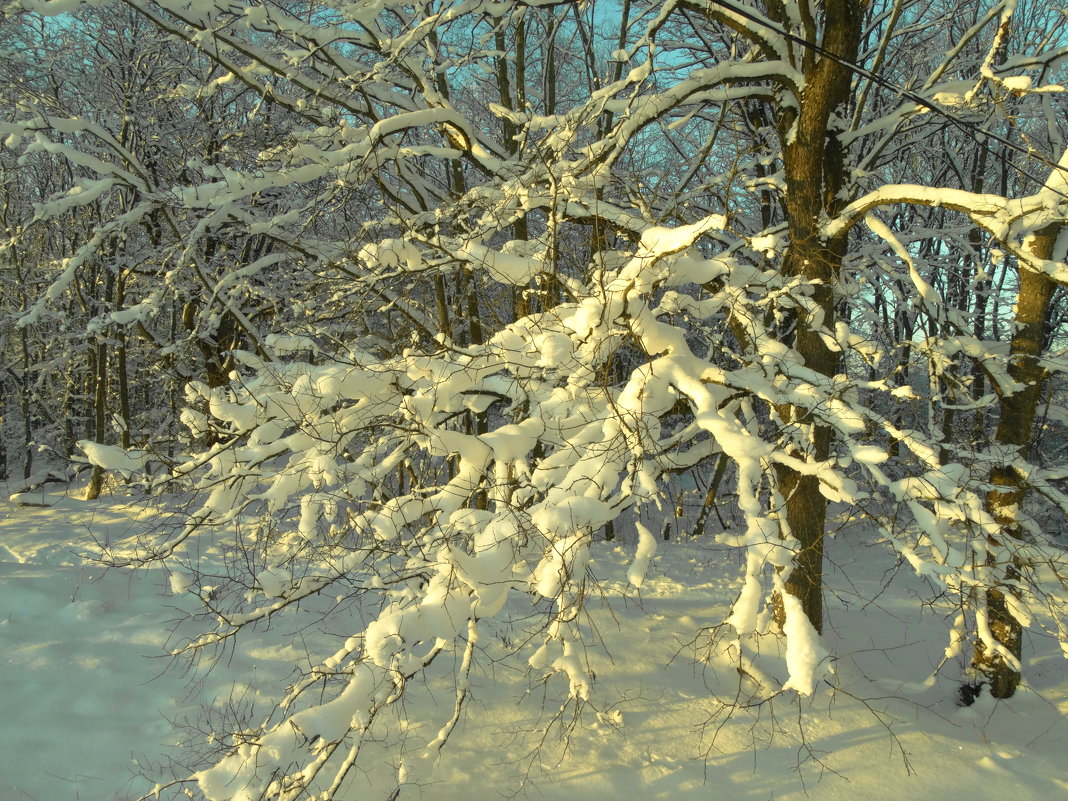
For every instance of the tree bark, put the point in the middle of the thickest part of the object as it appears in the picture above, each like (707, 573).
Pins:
(1015, 423)
(100, 417)
(815, 177)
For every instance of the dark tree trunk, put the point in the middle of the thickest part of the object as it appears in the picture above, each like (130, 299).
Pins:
(1017, 417)
(815, 178)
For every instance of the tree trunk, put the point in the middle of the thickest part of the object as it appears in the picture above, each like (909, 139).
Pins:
(100, 418)
(1017, 416)
(815, 177)
(122, 368)
(100, 395)
(24, 397)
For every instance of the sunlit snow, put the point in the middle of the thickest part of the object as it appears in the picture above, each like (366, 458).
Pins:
(87, 693)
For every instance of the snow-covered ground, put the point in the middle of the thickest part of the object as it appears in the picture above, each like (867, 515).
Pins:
(86, 697)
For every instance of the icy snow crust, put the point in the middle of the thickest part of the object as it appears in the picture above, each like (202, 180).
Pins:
(85, 704)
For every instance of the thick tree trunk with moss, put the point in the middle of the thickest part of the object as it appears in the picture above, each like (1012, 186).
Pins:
(995, 665)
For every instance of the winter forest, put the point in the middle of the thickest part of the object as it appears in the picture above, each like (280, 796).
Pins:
(431, 338)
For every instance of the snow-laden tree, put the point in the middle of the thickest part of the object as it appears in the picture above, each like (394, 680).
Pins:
(83, 250)
(114, 303)
(545, 270)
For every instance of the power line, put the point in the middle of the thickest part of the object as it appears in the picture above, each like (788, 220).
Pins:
(971, 129)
